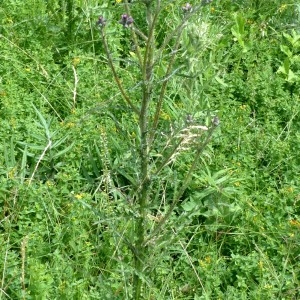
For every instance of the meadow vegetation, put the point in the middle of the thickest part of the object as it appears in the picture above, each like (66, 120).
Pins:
(149, 149)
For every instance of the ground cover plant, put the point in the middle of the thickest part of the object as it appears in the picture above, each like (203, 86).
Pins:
(149, 149)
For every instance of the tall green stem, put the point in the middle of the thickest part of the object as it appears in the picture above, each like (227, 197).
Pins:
(147, 77)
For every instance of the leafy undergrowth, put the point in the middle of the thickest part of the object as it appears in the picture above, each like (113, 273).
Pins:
(68, 154)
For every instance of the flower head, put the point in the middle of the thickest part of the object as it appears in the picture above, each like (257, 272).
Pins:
(187, 8)
(101, 21)
(126, 20)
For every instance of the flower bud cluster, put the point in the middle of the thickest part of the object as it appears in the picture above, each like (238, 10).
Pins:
(126, 20)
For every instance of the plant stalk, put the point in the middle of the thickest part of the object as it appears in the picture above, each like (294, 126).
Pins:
(141, 227)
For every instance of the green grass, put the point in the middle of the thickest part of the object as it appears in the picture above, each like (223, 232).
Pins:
(122, 185)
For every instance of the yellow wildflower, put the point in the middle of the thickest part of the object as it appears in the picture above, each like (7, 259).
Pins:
(79, 196)
(282, 8)
(75, 61)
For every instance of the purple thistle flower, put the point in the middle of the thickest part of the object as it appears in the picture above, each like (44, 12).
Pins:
(126, 20)
(123, 19)
(101, 21)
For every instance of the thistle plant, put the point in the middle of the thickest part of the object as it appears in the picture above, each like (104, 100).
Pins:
(147, 108)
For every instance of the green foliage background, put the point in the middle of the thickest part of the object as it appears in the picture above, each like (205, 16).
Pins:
(68, 162)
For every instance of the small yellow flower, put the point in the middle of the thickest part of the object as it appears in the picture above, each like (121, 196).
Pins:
(49, 183)
(75, 61)
(205, 262)
(208, 259)
(79, 196)
(268, 286)
(118, 1)
(165, 116)
(12, 173)
(70, 125)
(9, 20)
(282, 8)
